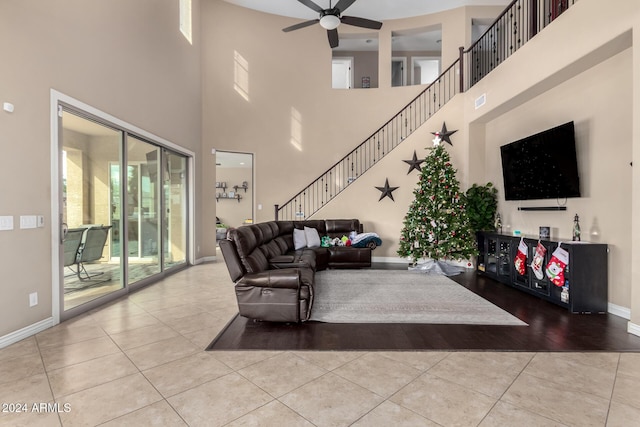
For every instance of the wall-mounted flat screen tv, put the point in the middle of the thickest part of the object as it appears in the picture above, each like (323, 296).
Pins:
(542, 166)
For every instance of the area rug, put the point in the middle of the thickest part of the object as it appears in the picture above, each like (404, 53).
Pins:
(388, 296)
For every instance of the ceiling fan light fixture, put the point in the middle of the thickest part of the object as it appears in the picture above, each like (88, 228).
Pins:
(330, 22)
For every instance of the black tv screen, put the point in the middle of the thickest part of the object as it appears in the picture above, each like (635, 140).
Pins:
(541, 166)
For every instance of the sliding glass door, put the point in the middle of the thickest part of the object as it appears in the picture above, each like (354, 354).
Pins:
(124, 210)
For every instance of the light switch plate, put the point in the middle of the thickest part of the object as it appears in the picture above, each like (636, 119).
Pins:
(6, 222)
(28, 221)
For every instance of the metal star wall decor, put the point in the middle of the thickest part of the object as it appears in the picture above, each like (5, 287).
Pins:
(386, 190)
(414, 163)
(445, 134)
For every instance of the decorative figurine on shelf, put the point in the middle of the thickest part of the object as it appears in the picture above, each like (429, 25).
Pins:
(498, 223)
(576, 228)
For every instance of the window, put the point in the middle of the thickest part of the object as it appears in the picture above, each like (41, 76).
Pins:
(185, 20)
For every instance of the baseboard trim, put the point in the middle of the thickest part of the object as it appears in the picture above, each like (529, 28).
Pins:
(620, 311)
(25, 332)
(204, 259)
(634, 329)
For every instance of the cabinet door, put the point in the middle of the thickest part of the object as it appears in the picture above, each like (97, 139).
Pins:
(503, 259)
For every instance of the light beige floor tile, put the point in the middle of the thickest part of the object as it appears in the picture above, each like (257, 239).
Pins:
(33, 389)
(126, 323)
(195, 322)
(487, 373)
(108, 401)
(593, 373)
(59, 357)
(627, 390)
(557, 402)
(331, 401)
(504, 414)
(621, 415)
(142, 336)
(272, 414)
(241, 359)
(180, 375)
(201, 338)
(91, 373)
(24, 347)
(629, 364)
(378, 373)
(61, 335)
(121, 308)
(444, 402)
(161, 352)
(218, 402)
(159, 414)
(30, 418)
(421, 360)
(20, 367)
(390, 414)
(281, 374)
(329, 360)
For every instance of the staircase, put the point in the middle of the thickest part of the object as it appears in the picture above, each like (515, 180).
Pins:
(515, 26)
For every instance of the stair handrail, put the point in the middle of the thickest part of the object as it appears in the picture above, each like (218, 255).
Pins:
(411, 124)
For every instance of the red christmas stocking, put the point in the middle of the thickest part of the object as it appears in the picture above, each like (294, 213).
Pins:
(521, 257)
(555, 268)
(538, 259)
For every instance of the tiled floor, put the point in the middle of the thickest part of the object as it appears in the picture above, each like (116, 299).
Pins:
(140, 362)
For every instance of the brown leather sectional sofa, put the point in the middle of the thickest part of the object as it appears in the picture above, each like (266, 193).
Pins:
(273, 280)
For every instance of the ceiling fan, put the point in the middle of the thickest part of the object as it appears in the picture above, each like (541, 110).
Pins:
(331, 18)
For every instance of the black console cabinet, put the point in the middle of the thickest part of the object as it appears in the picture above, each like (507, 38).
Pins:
(586, 276)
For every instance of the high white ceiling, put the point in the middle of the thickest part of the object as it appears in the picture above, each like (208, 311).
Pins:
(378, 10)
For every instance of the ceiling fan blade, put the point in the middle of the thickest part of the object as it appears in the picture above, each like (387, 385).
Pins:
(361, 22)
(311, 5)
(343, 5)
(333, 38)
(300, 25)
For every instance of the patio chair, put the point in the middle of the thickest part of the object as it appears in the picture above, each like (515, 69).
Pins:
(71, 244)
(93, 242)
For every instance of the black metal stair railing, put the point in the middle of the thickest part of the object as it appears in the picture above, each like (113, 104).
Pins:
(514, 27)
(368, 153)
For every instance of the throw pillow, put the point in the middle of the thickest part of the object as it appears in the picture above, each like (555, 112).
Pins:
(299, 239)
(313, 238)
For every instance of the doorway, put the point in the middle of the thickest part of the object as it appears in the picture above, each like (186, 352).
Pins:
(234, 191)
(123, 202)
(342, 73)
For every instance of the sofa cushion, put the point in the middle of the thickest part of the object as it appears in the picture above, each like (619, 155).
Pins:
(255, 262)
(341, 227)
(313, 238)
(299, 239)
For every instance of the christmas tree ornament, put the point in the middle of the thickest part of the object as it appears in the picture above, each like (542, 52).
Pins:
(387, 191)
(555, 268)
(521, 258)
(437, 139)
(576, 228)
(414, 163)
(538, 260)
(444, 134)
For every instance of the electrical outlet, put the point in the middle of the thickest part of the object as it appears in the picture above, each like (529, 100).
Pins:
(33, 299)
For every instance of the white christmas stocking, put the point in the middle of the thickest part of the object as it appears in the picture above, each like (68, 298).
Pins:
(538, 259)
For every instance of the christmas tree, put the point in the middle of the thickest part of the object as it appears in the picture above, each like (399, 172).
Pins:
(436, 226)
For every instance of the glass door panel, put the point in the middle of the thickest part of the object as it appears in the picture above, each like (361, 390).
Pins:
(143, 209)
(175, 208)
(88, 150)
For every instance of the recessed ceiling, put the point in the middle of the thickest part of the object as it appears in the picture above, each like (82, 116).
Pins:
(379, 10)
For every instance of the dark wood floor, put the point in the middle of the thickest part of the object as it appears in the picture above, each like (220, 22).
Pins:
(551, 328)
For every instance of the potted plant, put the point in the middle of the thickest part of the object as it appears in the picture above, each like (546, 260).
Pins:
(482, 204)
